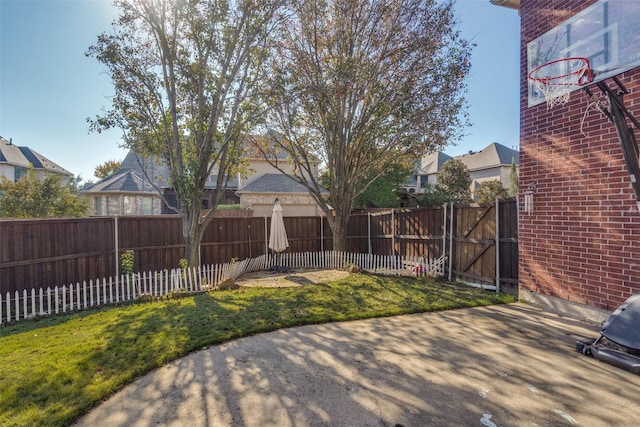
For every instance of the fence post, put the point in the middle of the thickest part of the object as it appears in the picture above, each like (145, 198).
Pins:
(393, 233)
(444, 232)
(115, 228)
(369, 231)
(497, 247)
(451, 241)
(321, 233)
(249, 236)
(266, 237)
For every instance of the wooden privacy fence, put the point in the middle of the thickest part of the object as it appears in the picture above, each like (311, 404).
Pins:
(48, 252)
(483, 244)
(161, 284)
(479, 241)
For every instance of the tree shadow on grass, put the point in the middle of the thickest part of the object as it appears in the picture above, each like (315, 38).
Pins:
(96, 352)
(415, 370)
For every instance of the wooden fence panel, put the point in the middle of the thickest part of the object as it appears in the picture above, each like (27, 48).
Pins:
(54, 252)
(357, 235)
(226, 238)
(474, 234)
(256, 244)
(303, 233)
(508, 224)
(47, 252)
(241, 238)
(381, 233)
(156, 241)
(474, 244)
(410, 232)
(419, 232)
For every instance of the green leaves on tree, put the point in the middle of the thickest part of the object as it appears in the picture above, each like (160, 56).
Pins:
(33, 197)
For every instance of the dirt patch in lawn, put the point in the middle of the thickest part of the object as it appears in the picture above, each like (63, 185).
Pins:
(294, 277)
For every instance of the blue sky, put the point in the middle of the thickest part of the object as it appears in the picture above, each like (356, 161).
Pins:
(48, 87)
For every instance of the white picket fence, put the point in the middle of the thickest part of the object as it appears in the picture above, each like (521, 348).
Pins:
(63, 299)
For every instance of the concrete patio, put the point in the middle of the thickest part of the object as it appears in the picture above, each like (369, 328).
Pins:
(511, 365)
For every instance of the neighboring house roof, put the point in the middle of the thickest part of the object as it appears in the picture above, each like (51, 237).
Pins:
(232, 184)
(432, 163)
(155, 168)
(494, 156)
(251, 150)
(130, 177)
(254, 143)
(491, 156)
(273, 183)
(25, 157)
(126, 182)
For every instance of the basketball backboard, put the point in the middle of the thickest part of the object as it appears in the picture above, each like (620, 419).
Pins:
(607, 33)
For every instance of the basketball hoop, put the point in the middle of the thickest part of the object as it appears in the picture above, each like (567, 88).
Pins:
(557, 79)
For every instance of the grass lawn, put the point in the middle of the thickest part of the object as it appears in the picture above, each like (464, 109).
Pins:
(54, 369)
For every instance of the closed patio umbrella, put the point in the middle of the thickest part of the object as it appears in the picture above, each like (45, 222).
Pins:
(278, 241)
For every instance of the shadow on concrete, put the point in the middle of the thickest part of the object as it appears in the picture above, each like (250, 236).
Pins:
(507, 365)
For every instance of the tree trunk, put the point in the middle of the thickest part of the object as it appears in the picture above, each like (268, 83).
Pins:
(339, 226)
(192, 231)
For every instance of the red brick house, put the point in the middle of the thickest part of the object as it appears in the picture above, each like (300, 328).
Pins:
(579, 231)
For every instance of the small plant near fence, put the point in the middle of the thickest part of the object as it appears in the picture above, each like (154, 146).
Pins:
(127, 261)
(183, 267)
(153, 286)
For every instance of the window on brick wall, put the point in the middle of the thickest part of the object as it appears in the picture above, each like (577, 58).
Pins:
(146, 205)
(129, 205)
(97, 205)
(113, 205)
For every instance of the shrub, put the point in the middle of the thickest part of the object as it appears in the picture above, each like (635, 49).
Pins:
(127, 260)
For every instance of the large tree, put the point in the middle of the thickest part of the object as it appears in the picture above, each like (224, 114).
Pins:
(359, 85)
(32, 197)
(432, 195)
(454, 181)
(185, 73)
(385, 189)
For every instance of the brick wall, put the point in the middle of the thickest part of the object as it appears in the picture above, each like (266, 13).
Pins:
(581, 243)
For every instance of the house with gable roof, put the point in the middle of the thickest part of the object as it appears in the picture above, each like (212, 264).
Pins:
(15, 162)
(136, 189)
(131, 191)
(259, 195)
(491, 163)
(263, 183)
(427, 171)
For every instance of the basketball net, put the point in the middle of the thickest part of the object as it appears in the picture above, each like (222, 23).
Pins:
(595, 103)
(557, 79)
